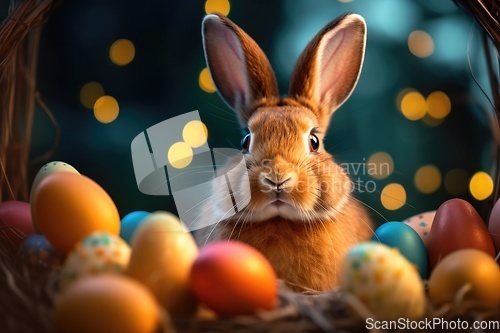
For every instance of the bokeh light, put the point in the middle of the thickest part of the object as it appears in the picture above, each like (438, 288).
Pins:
(345, 1)
(220, 6)
(195, 133)
(393, 196)
(180, 155)
(438, 104)
(427, 179)
(106, 109)
(122, 52)
(89, 93)
(420, 44)
(205, 81)
(431, 121)
(481, 185)
(380, 165)
(456, 181)
(413, 105)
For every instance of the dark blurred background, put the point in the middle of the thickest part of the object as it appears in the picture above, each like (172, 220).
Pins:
(416, 107)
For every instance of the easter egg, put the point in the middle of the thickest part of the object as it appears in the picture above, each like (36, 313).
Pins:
(15, 220)
(129, 224)
(457, 225)
(35, 250)
(70, 206)
(233, 278)
(422, 224)
(470, 271)
(384, 281)
(162, 256)
(105, 304)
(494, 225)
(47, 169)
(408, 242)
(97, 253)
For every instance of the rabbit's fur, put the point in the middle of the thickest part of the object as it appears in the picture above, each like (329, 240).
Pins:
(302, 215)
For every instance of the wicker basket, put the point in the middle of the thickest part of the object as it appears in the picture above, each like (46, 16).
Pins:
(26, 294)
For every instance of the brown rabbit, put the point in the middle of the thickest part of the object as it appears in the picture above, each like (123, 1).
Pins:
(301, 214)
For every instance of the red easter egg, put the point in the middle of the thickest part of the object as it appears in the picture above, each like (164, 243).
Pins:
(233, 278)
(456, 226)
(15, 220)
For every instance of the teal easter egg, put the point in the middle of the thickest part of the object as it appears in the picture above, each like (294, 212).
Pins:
(403, 237)
(129, 224)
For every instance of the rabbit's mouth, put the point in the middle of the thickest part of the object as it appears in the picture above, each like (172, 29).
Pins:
(278, 203)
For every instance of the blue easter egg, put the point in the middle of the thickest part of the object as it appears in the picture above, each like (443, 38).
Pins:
(403, 237)
(36, 250)
(129, 224)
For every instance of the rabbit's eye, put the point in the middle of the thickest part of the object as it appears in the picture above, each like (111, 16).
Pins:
(313, 143)
(245, 143)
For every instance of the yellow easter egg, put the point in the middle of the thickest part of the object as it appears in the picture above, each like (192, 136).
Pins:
(70, 206)
(105, 304)
(162, 256)
(470, 271)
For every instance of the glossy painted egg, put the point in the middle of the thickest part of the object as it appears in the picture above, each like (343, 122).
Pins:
(162, 256)
(105, 304)
(470, 271)
(129, 224)
(457, 225)
(70, 206)
(15, 221)
(406, 240)
(96, 254)
(233, 278)
(384, 281)
(36, 250)
(422, 224)
(46, 170)
(494, 225)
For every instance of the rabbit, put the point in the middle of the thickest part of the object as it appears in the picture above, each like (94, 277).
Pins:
(301, 214)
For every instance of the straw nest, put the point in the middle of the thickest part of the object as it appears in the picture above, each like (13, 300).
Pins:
(27, 295)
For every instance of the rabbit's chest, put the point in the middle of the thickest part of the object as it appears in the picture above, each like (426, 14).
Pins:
(305, 256)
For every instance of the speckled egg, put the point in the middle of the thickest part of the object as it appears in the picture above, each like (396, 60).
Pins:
(422, 224)
(384, 281)
(36, 250)
(46, 170)
(98, 253)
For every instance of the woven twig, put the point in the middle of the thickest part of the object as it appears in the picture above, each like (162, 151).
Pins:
(19, 41)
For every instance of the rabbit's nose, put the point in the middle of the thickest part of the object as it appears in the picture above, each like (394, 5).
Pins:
(275, 183)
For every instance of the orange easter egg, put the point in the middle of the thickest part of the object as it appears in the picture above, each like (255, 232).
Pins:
(69, 207)
(233, 278)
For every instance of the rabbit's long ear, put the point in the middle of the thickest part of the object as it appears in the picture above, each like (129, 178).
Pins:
(328, 69)
(241, 72)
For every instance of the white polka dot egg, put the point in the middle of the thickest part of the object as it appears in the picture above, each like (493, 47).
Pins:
(422, 224)
(384, 281)
(98, 253)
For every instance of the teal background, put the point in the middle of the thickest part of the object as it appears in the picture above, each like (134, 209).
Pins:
(162, 81)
